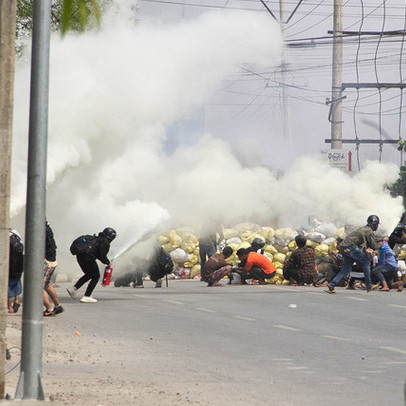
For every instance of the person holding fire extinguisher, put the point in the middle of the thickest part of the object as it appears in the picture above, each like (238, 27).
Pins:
(98, 249)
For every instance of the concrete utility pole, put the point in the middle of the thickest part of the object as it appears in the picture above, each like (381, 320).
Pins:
(30, 385)
(336, 99)
(284, 103)
(7, 55)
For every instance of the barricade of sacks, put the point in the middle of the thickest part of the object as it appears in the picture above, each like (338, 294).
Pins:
(183, 246)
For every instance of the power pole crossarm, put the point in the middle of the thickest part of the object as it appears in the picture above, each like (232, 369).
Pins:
(373, 85)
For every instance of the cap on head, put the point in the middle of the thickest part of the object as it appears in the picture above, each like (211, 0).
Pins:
(257, 244)
(373, 222)
(110, 233)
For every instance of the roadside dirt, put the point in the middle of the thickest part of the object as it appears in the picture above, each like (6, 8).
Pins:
(78, 370)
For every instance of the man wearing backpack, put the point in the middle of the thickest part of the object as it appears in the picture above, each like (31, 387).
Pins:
(16, 260)
(86, 256)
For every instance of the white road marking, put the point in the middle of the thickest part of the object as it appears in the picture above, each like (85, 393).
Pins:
(296, 368)
(205, 310)
(245, 318)
(394, 349)
(283, 327)
(399, 306)
(337, 338)
(174, 301)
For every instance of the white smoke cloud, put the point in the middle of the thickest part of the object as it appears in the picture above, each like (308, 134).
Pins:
(113, 94)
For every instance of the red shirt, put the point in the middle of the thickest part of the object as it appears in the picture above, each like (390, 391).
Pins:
(261, 261)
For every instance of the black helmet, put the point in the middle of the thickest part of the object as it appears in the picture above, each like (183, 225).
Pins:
(399, 230)
(373, 222)
(110, 233)
(257, 244)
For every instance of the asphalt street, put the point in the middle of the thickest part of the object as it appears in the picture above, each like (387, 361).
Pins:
(252, 345)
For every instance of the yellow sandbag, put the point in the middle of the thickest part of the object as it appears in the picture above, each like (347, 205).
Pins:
(168, 247)
(246, 226)
(283, 235)
(402, 254)
(175, 239)
(279, 271)
(163, 239)
(278, 265)
(281, 248)
(321, 250)
(193, 260)
(256, 235)
(244, 244)
(188, 246)
(332, 248)
(230, 233)
(271, 249)
(312, 244)
(340, 233)
(194, 271)
(276, 280)
(292, 245)
(279, 257)
(269, 256)
(246, 236)
(267, 232)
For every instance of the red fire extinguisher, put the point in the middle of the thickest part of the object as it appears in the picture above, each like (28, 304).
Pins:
(108, 270)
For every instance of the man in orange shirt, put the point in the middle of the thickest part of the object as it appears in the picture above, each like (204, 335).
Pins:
(257, 266)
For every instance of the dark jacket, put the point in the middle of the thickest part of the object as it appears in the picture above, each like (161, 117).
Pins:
(50, 245)
(103, 249)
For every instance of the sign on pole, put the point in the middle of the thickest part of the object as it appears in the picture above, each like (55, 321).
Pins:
(338, 158)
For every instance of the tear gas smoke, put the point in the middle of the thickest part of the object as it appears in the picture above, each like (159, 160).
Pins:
(113, 94)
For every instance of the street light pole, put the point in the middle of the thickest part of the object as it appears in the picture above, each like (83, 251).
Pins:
(30, 385)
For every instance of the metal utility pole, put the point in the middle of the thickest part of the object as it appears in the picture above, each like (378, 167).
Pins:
(30, 385)
(7, 55)
(336, 99)
(284, 104)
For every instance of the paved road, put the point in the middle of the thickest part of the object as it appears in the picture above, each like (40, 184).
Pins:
(254, 345)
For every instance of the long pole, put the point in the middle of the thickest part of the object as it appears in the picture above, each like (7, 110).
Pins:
(30, 386)
(336, 99)
(7, 55)
(285, 127)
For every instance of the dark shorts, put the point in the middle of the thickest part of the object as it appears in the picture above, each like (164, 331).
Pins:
(14, 287)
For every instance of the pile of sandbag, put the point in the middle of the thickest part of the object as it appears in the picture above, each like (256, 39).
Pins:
(183, 246)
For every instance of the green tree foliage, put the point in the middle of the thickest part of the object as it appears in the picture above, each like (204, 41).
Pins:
(399, 187)
(78, 14)
(75, 15)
